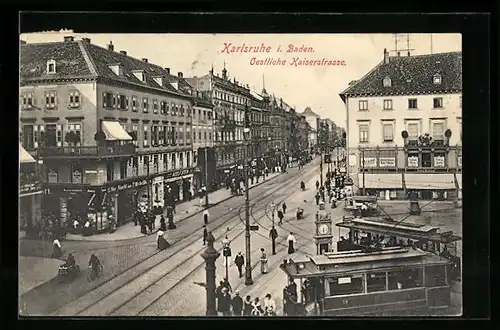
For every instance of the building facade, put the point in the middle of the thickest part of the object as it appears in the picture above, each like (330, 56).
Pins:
(313, 120)
(112, 130)
(303, 130)
(30, 194)
(404, 130)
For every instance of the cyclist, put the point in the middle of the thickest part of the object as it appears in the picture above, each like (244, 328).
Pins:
(95, 264)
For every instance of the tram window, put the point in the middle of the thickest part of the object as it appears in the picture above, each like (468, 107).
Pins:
(375, 282)
(405, 279)
(435, 276)
(346, 285)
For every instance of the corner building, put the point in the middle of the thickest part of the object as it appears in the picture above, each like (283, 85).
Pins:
(110, 129)
(404, 127)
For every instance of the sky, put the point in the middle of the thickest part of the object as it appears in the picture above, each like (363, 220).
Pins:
(300, 86)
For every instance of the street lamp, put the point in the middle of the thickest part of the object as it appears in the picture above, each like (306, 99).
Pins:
(248, 266)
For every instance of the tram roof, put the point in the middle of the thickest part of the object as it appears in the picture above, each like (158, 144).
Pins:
(421, 232)
(319, 266)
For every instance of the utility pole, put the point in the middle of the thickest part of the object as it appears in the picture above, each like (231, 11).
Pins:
(207, 205)
(248, 266)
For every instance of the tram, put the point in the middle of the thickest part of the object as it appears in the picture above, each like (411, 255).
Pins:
(365, 206)
(373, 233)
(391, 281)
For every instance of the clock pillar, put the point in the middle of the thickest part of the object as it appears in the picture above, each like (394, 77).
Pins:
(323, 237)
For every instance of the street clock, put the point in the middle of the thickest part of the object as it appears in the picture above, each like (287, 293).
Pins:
(323, 237)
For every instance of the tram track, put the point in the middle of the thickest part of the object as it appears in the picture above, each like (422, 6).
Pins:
(105, 289)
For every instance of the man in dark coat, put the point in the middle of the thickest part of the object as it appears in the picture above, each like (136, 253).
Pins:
(205, 235)
(224, 302)
(239, 261)
(163, 225)
(237, 304)
(280, 216)
(283, 206)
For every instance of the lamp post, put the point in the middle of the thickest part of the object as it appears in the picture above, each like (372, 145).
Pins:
(248, 266)
(207, 205)
(210, 255)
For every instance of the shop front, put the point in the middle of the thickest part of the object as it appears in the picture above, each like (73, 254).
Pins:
(178, 184)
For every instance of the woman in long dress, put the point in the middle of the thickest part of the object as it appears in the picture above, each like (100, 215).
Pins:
(291, 241)
(263, 262)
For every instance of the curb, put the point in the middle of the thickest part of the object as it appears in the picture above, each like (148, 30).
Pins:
(181, 219)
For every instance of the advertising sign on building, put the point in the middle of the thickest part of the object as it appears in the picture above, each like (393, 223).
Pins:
(76, 176)
(387, 162)
(438, 161)
(52, 176)
(413, 161)
(369, 162)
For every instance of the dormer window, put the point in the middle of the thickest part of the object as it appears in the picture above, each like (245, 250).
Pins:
(51, 66)
(158, 80)
(387, 82)
(139, 74)
(116, 68)
(437, 79)
(175, 85)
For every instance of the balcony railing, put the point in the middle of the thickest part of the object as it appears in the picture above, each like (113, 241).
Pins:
(89, 151)
(29, 184)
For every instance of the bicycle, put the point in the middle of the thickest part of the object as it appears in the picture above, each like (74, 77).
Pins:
(92, 274)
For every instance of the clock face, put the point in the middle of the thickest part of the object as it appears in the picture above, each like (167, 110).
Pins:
(323, 229)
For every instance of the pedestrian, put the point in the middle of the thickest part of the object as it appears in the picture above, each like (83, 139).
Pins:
(158, 235)
(247, 306)
(273, 235)
(206, 214)
(280, 216)
(226, 284)
(291, 241)
(163, 225)
(284, 207)
(56, 249)
(317, 185)
(263, 261)
(162, 242)
(237, 304)
(239, 261)
(205, 235)
(224, 302)
(269, 306)
(135, 218)
(317, 198)
(153, 221)
(257, 308)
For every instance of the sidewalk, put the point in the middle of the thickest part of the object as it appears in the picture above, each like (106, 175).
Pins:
(183, 210)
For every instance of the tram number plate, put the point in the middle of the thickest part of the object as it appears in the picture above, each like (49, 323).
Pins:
(254, 228)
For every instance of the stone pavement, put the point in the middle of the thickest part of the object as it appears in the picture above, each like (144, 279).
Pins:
(183, 210)
(35, 271)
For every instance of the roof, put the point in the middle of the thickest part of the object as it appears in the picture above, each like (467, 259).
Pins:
(256, 95)
(308, 112)
(411, 75)
(82, 59)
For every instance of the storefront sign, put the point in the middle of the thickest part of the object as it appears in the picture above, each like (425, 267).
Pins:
(52, 176)
(178, 173)
(369, 162)
(387, 162)
(438, 161)
(459, 161)
(352, 160)
(125, 186)
(413, 161)
(76, 176)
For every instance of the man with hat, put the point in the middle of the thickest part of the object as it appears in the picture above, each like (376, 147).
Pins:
(224, 302)
(237, 304)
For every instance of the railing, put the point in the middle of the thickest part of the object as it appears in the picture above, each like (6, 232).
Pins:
(29, 184)
(79, 151)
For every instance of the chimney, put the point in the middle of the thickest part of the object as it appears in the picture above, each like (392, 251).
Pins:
(386, 56)
(86, 40)
(110, 46)
(179, 74)
(168, 70)
(123, 52)
(145, 60)
(69, 38)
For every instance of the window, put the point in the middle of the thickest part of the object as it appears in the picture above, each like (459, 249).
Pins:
(205, 135)
(388, 131)
(435, 276)
(155, 106)
(134, 103)
(376, 282)
(165, 162)
(426, 159)
(110, 171)
(156, 163)
(154, 135)
(346, 285)
(135, 165)
(173, 161)
(123, 169)
(363, 133)
(413, 130)
(438, 131)
(437, 79)
(27, 101)
(28, 140)
(387, 104)
(74, 100)
(145, 136)
(135, 129)
(107, 100)
(165, 135)
(437, 102)
(199, 135)
(412, 104)
(122, 102)
(145, 165)
(363, 105)
(209, 136)
(387, 82)
(163, 107)
(181, 160)
(77, 130)
(145, 105)
(50, 100)
(51, 66)
(405, 279)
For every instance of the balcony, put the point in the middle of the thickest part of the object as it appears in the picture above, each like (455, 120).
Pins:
(89, 151)
(29, 184)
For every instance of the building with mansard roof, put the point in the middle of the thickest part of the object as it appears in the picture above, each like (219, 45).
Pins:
(404, 126)
(111, 129)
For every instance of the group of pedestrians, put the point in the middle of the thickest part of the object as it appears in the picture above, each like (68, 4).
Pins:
(236, 306)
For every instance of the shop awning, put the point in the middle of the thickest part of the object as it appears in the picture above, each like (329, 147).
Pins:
(429, 181)
(24, 156)
(114, 131)
(459, 180)
(381, 181)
